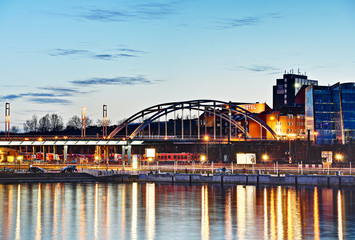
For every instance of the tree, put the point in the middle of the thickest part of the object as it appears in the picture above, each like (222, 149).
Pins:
(99, 122)
(31, 125)
(74, 123)
(44, 124)
(56, 123)
(14, 129)
(89, 122)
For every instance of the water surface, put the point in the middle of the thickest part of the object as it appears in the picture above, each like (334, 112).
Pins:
(160, 211)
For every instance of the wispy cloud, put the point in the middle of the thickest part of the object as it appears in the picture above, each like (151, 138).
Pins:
(240, 22)
(66, 52)
(62, 92)
(106, 15)
(245, 21)
(50, 95)
(129, 50)
(114, 81)
(140, 11)
(154, 10)
(260, 68)
(21, 95)
(50, 100)
(117, 53)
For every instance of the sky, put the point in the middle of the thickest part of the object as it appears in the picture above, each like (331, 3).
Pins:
(58, 56)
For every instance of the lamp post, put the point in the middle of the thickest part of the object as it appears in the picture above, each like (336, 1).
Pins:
(265, 157)
(315, 137)
(206, 139)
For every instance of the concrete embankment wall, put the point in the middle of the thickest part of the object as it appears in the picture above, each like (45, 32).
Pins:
(45, 177)
(252, 179)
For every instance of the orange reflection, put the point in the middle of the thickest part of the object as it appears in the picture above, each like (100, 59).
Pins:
(96, 212)
(134, 211)
(280, 230)
(241, 211)
(290, 215)
(39, 214)
(316, 214)
(123, 212)
(272, 215)
(82, 227)
(55, 216)
(18, 213)
(340, 216)
(228, 216)
(266, 221)
(150, 211)
(205, 219)
(246, 213)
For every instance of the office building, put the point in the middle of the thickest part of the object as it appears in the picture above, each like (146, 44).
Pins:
(286, 89)
(330, 113)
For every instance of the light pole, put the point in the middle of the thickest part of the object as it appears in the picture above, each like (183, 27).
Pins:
(315, 137)
(206, 139)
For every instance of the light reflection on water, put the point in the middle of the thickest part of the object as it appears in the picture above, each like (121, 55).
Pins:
(160, 211)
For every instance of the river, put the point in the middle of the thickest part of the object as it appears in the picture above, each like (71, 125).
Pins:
(165, 211)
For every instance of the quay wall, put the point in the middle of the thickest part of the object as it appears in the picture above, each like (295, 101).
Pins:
(245, 179)
(45, 177)
(252, 179)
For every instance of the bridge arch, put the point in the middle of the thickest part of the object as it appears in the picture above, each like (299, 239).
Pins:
(220, 109)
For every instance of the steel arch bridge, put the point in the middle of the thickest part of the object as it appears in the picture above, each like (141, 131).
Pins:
(218, 109)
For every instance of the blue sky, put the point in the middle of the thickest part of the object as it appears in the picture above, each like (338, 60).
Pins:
(57, 56)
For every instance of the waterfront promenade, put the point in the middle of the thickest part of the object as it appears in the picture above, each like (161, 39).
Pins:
(260, 178)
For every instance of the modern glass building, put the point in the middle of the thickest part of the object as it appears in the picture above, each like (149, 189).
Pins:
(330, 113)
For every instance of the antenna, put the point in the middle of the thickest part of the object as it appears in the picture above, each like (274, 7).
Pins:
(83, 121)
(7, 119)
(104, 121)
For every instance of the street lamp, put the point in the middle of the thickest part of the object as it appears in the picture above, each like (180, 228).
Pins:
(206, 139)
(315, 136)
(265, 157)
(338, 157)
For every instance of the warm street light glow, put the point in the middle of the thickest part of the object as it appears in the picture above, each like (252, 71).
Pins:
(272, 118)
(315, 133)
(40, 139)
(203, 158)
(339, 157)
(265, 157)
(206, 138)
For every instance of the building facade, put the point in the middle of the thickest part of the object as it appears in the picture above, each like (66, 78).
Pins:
(286, 89)
(330, 113)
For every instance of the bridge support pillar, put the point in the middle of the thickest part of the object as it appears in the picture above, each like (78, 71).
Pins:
(44, 153)
(33, 152)
(65, 153)
(123, 156)
(105, 154)
(129, 150)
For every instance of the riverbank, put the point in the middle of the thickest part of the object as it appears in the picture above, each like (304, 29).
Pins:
(45, 177)
(238, 179)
